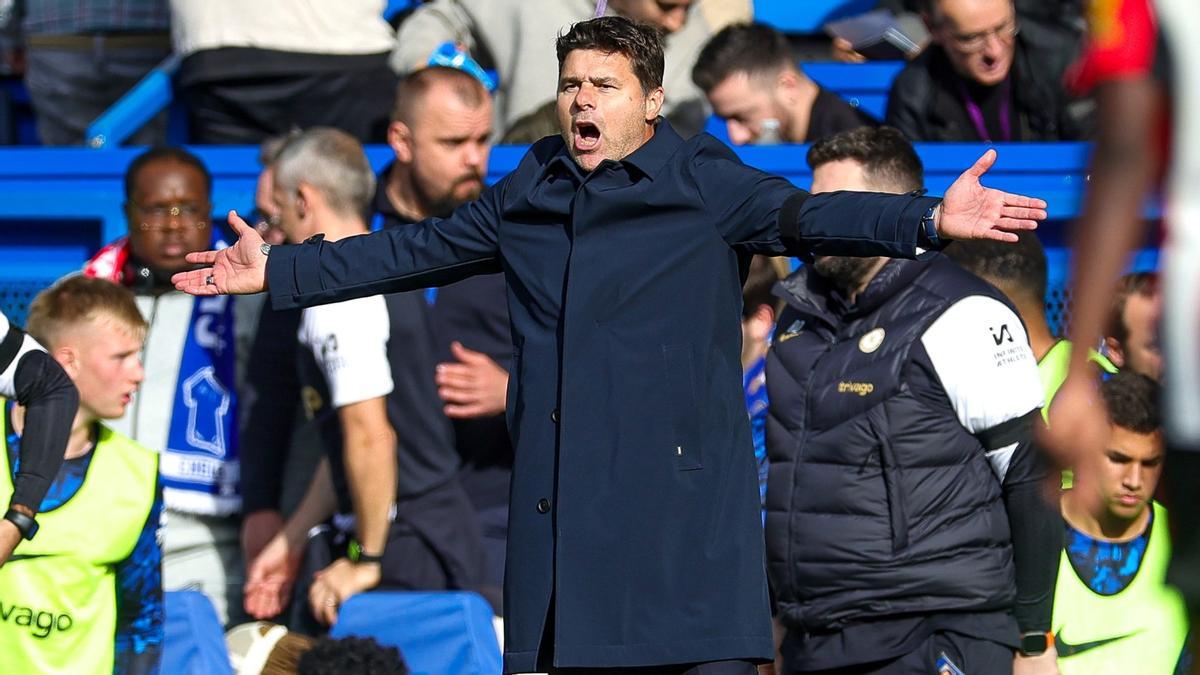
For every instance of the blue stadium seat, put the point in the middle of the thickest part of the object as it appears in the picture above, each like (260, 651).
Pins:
(394, 7)
(195, 641)
(864, 85)
(804, 17)
(436, 632)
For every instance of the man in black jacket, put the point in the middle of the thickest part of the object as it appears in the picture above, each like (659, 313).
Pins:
(750, 76)
(635, 537)
(441, 136)
(903, 505)
(986, 77)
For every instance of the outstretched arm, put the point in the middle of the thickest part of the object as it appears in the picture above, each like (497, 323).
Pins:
(765, 214)
(433, 252)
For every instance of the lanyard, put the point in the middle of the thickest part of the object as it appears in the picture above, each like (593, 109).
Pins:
(976, 113)
(601, 5)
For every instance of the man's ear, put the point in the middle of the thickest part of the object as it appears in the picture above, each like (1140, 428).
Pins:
(306, 198)
(1114, 351)
(399, 137)
(68, 358)
(654, 104)
(787, 86)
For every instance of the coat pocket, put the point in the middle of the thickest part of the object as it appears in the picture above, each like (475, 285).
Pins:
(513, 395)
(680, 377)
(895, 494)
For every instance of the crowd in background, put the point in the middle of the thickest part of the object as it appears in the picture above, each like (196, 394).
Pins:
(305, 456)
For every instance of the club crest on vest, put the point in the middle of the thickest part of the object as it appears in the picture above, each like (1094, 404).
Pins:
(871, 340)
(792, 331)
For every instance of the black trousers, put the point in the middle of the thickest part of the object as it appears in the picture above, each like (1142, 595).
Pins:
(251, 109)
(942, 653)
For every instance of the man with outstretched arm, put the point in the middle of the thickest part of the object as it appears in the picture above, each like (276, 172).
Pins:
(635, 538)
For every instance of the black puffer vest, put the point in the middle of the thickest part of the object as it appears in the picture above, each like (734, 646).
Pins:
(879, 502)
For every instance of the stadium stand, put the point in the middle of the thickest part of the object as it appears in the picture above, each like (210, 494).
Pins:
(58, 206)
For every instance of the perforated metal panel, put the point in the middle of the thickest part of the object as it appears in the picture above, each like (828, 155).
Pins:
(1058, 308)
(15, 296)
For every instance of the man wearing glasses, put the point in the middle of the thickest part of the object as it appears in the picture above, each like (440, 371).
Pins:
(985, 77)
(187, 406)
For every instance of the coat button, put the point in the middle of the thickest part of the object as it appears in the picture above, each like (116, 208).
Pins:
(554, 415)
(543, 505)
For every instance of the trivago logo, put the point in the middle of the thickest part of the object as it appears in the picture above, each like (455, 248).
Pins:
(40, 623)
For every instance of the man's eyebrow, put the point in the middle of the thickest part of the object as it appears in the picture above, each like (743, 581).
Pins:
(603, 79)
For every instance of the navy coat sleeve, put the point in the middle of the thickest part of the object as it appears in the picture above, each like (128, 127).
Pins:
(434, 252)
(765, 214)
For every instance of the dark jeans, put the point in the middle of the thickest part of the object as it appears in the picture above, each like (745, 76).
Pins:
(970, 656)
(69, 88)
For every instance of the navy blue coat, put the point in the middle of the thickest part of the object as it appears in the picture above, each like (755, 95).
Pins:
(634, 511)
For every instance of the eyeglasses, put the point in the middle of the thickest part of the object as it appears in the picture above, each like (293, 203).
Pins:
(157, 217)
(974, 42)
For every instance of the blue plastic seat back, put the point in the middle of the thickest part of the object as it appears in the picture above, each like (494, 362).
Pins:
(805, 17)
(437, 633)
(195, 640)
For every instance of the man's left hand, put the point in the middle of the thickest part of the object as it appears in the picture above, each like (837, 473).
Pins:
(1045, 663)
(971, 211)
(335, 584)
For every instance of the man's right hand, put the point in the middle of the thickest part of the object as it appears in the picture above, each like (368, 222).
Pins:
(241, 268)
(269, 577)
(258, 529)
(10, 536)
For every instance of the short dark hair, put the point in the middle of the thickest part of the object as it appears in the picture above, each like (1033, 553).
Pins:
(639, 42)
(412, 89)
(164, 152)
(888, 159)
(752, 48)
(1014, 268)
(1138, 283)
(331, 656)
(1132, 402)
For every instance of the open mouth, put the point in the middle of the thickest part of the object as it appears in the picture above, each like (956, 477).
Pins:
(587, 136)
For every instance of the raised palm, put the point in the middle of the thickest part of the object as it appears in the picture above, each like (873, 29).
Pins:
(241, 268)
(971, 211)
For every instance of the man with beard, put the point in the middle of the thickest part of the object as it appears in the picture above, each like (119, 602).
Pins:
(905, 528)
(440, 134)
(635, 536)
